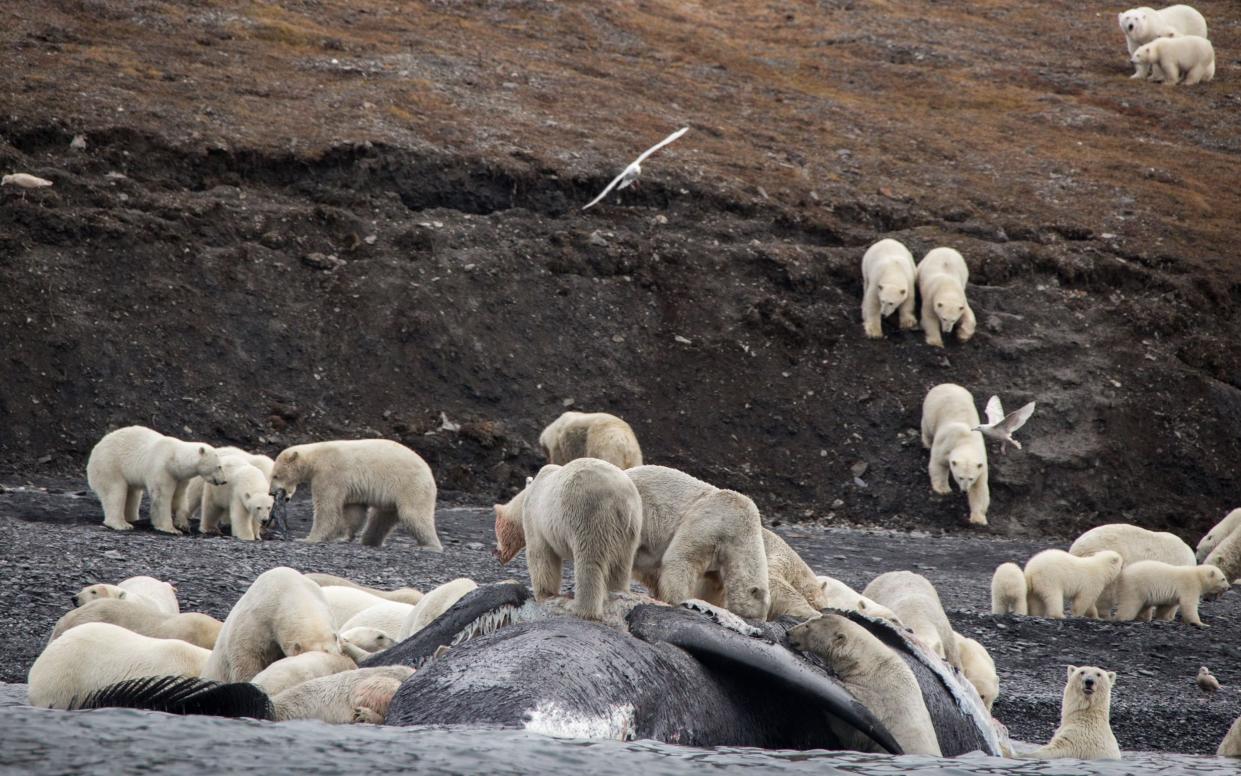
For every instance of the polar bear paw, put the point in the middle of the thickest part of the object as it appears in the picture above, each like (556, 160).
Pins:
(363, 715)
(874, 329)
(909, 322)
(942, 488)
(121, 526)
(977, 518)
(168, 530)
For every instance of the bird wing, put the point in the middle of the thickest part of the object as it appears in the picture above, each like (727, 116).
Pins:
(661, 144)
(995, 410)
(1018, 419)
(604, 193)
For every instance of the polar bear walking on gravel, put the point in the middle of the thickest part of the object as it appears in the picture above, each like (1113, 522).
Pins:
(692, 529)
(134, 459)
(888, 285)
(350, 475)
(942, 278)
(949, 418)
(193, 498)
(591, 435)
(1143, 24)
(587, 511)
(1085, 731)
(1133, 544)
(1008, 590)
(1185, 59)
(242, 501)
(1054, 575)
(1150, 584)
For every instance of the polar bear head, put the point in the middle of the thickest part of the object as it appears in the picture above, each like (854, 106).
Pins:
(510, 534)
(1134, 23)
(98, 593)
(258, 506)
(1149, 53)
(949, 306)
(1088, 687)
(367, 639)
(1214, 583)
(837, 639)
(892, 294)
(292, 468)
(968, 463)
(207, 464)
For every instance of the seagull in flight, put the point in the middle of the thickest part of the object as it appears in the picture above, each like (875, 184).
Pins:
(1000, 426)
(631, 173)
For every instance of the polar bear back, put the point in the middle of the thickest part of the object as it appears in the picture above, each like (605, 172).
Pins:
(263, 463)
(943, 262)
(916, 602)
(94, 655)
(134, 453)
(1143, 24)
(564, 502)
(281, 614)
(591, 435)
(1218, 533)
(387, 616)
(949, 403)
(161, 594)
(435, 603)
(198, 629)
(376, 472)
(291, 671)
(889, 261)
(1161, 584)
(838, 595)
(1134, 544)
(345, 602)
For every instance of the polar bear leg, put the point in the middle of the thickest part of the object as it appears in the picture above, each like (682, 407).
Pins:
(1128, 607)
(355, 520)
(680, 572)
(1189, 611)
(209, 519)
(967, 325)
(590, 588)
(1165, 612)
(909, 317)
(133, 498)
(872, 315)
(239, 518)
(937, 468)
(179, 517)
(545, 568)
(930, 325)
(980, 500)
(161, 492)
(1195, 75)
(328, 522)
(418, 517)
(113, 499)
(378, 526)
(1171, 73)
(1050, 602)
(190, 501)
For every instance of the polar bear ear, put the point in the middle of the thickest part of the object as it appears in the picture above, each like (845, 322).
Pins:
(292, 456)
(1071, 670)
(202, 451)
(123, 594)
(1111, 678)
(861, 606)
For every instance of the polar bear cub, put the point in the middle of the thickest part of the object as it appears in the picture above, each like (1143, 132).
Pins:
(354, 474)
(1218, 533)
(1054, 575)
(198, 629)
(291, 671)
(1085, 731)
(979, 669)
(888, 285)
(587, 510)
(591, 435)
(360, 695)
(1134, 544)
(1186, 59)
(942, 278)
(97, 654)
(193, 498)
(691, 530)
(949, 418)
(345, 602)
(916, 602)
(360, 643)
(134, 459)
(281, 614)
(242, 501)
(873, 674)
(1143, 24)
(1149, 583)
(838, 595)
(1008, 590)
(387, 616)
(147, 591)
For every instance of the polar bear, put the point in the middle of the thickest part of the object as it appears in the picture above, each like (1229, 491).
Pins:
(1133, 544)
(405, 595)
(1143, 24)
(888, 281)
(979, 669)
(362, 642)
(1231, 745)
(242, 501)
(198, 629)
(793, 587)
(345, 602)
(591, 435)
(1008, 590)
(147, 591)
(134, 459)
(193, 497)
(291, 671)
(1227, 556)
(1186, 59)
(873, 674)
(360, 695)
(942, 278)
(1085, 731)
(281, 614)
(386, 616)
(1150, 583)
(1218, 533)
(1054, 575)
(916, 602)
(588, 511)
(435, 603)
(838, 595)
(691, 530)
(97, 654)
(358, 473)
(949, 418)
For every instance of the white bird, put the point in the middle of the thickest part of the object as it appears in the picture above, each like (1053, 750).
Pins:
(24, 181)
(1206, 681)
(1000, 426)
(631, 173)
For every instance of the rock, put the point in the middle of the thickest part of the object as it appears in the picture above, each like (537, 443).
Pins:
(320, 261)
(474, 546)
(113, 554)
(597, 239)
(859, 468)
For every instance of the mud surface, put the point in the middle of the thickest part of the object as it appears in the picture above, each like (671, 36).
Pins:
(337, 218)
(55, 545)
